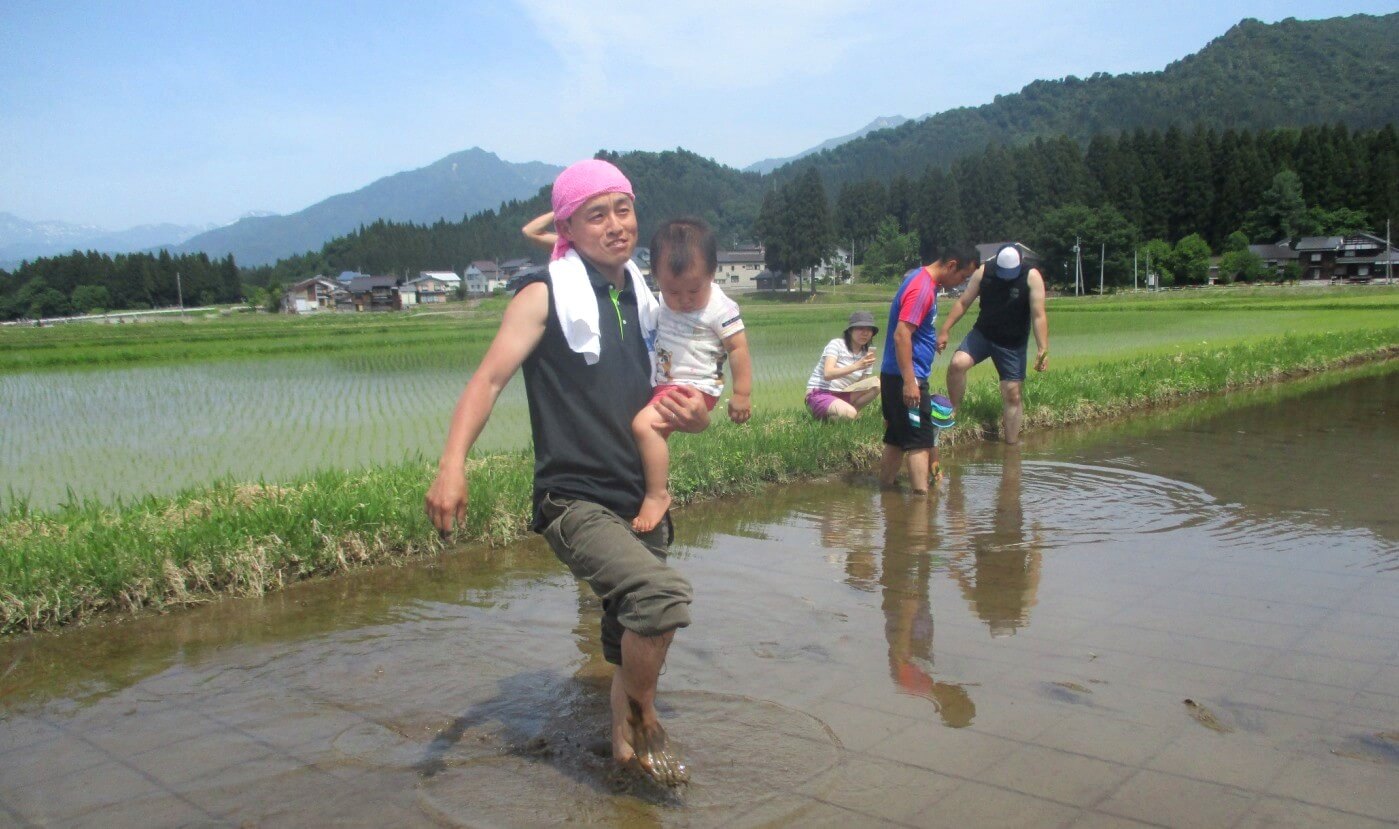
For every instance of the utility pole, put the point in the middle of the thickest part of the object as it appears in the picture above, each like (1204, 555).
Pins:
(1078, 267)
(1102, 262)
(180, 292)
(1134, 270)
(1388, 256)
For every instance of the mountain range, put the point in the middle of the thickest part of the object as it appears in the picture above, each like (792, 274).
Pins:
(1255, 76)
(448, 189)
(21, 239)
(884, 122)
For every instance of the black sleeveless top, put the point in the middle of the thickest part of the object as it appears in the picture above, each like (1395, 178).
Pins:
(1005, 308)
(580, 415)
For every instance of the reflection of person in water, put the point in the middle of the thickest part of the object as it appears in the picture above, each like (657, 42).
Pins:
(1002, 577)
(907, 563)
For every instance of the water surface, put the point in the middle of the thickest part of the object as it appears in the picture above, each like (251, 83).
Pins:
(1017, 649)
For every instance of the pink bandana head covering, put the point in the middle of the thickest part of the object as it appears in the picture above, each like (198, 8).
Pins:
(576, 185)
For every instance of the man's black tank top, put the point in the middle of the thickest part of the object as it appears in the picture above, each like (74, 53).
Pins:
(580, 415)
(1005, 308)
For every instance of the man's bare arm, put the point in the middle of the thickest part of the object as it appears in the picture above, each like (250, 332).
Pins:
(903, 354)
(960, 307)
(1039, 318)
(520, 331)
(540, 230)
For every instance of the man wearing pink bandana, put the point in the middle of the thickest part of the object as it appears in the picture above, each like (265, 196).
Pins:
(577, 332)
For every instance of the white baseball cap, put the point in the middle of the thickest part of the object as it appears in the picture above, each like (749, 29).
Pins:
(1008, 262)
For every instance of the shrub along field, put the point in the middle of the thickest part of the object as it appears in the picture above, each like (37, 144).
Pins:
(63, 563)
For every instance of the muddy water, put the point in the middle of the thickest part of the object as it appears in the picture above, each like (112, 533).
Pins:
(1190, 620)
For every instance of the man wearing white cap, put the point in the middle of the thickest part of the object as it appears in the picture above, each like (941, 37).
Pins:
(1012, 305)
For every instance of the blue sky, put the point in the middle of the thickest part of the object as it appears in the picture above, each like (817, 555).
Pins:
(122, 113)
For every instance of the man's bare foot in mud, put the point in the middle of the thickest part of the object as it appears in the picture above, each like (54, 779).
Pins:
(639, 743)
(653, 754)
(653, 509)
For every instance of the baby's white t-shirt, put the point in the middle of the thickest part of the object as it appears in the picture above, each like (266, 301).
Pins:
(690, 346)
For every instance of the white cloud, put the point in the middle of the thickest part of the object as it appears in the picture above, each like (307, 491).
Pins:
(725, 44)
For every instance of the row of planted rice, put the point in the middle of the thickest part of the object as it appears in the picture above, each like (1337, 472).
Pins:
(123, 433)
(166, 423)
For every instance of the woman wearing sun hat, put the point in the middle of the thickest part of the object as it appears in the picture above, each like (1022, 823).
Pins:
(845, 379)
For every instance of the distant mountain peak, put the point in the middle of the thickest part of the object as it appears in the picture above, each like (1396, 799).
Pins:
(21, 239)
(883, 122)
(450, 188)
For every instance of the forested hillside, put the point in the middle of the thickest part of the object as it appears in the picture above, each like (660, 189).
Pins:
(1256, 76)
(1194, 151)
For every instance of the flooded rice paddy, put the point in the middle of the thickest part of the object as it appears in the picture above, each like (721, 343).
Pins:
(125, 433)
(1186, 620)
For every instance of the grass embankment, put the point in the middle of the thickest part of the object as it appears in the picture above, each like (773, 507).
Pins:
(67, 564)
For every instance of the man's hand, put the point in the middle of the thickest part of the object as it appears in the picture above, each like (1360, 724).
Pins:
(942, 341)
(740, 408)
(913, 396)
(1042, 360)
(684, 410)
(446, 500)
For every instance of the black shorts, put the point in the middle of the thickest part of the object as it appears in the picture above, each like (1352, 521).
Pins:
(899, 429)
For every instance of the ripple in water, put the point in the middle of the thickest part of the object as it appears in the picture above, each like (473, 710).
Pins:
(1097, 502)
(743, 754)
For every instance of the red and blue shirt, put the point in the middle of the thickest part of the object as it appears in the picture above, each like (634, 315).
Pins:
(916, 303)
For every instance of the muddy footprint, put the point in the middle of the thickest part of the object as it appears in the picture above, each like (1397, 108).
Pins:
(1205, 717)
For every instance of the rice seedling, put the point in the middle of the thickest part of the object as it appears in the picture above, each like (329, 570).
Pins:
(126, 484)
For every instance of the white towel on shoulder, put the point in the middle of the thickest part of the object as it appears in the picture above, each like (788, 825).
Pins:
(576, 305)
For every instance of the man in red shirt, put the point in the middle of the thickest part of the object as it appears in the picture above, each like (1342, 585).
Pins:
(910, 346)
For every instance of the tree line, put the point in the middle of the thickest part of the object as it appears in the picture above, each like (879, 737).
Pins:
(1123, 190)
(88, 282)
(1129, 189)
(1257, 76)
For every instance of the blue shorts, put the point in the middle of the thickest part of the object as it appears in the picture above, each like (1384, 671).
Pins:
(1010, 362)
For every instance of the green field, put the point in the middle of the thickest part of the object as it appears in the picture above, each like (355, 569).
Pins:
(281, 385)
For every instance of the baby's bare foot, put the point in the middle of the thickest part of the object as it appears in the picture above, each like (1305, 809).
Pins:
(653, 509)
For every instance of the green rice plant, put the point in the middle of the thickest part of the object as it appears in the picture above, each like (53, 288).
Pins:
(67, 557)
(346, 391)
(65, 565)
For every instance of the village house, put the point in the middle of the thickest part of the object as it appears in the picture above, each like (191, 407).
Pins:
(1317, 255)
(429, 287)
(449, 279)
(836, 270)
(1358, 257)
(520, 276)
(739, 269)
(511, 268)
(775, 281)
(310, 295)
(483, 278)
(374, 293)
(1275, 256)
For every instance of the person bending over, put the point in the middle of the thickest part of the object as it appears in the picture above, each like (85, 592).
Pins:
(1012, 305)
